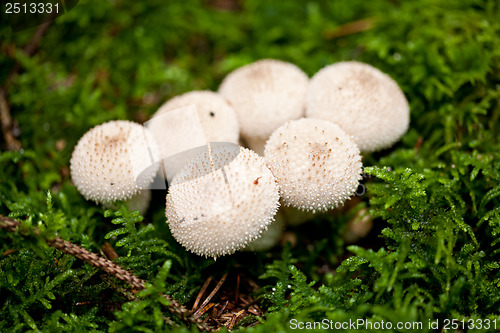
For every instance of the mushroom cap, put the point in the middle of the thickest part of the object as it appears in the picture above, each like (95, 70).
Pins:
(217, 117)
(316, 164)
(362, 100)
(214, 208)
(265, 95)
(112, 161)
(190, 121)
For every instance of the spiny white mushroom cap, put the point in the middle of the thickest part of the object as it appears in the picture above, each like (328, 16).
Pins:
(316, 164)
(217, 117)
(215, 213)
(265, 95)
(362, 100)
(269, 238)
(106, 162)
(184, 124)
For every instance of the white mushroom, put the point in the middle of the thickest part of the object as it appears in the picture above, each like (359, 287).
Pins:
(316, 164)
(217, 117)
(265, 95)
(189, 121)
(112, 161)
(215, 208)
(362, 100)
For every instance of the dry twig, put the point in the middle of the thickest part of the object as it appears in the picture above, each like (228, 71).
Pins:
(111, 268)
(233, 304)
(6, 121)
(200, 311)
(200, 294)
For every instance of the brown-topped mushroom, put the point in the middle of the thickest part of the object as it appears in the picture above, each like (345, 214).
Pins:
(114, 161)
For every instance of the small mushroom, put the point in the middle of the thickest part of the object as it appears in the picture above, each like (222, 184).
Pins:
(265, 95)
(316, 164)
(112, 161)
(362, 100)
(190, 121)
(221, 201)
(217, 117)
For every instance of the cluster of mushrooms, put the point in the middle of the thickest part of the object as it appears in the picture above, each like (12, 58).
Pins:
(303, 136)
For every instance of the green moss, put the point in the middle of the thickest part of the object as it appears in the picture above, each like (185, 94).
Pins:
(435, 197)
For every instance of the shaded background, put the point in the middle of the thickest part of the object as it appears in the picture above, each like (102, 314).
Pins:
(433, 252)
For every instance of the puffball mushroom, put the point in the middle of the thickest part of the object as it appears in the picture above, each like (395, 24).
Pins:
(112, 161)
(362, 100)
(214, 208)
(265, 95)
(217, 117)
(190, 121)
(316, 164)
